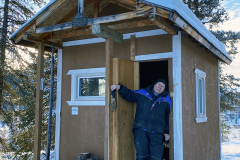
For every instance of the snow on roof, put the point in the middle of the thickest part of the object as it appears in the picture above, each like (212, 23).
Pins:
(31, 19)
(182, 10)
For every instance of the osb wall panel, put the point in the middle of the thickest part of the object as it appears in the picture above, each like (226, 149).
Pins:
(145, 45)
(84, 132)
(154, 44)
(200, 140)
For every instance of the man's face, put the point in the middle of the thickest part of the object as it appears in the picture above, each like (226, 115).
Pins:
(159, 87)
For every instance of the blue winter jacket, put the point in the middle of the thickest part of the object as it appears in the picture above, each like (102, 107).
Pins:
(152, 113)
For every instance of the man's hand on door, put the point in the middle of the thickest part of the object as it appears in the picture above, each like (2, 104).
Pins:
(113, 87)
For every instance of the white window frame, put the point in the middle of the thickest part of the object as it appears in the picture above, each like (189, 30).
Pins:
(200, 117)
(85, 100)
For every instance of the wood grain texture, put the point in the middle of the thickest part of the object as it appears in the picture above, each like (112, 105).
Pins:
(38, 105)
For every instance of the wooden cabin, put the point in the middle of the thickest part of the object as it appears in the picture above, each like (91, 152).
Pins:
(132, 42)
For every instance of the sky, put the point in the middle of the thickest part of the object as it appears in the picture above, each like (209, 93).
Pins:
(233, 9)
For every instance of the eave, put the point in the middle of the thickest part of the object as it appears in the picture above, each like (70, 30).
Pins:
(165, 18)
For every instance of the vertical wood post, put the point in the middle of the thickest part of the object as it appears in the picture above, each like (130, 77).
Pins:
(96, 9)
(38, 106)
(115, 139)
(133, 47)
(108, 82)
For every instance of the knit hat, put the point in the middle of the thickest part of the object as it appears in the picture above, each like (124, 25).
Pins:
(161, 80)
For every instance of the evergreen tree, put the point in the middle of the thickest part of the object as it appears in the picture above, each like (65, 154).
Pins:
(18, 82)
(211, 14)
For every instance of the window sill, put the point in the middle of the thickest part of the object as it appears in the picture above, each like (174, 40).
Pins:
(86, 103)
(200, 120)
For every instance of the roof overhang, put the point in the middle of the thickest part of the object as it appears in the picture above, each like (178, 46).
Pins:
(169, 13)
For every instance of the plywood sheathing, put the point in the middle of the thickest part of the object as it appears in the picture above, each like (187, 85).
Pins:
(84, 132)
(200, 137)
(155, 44)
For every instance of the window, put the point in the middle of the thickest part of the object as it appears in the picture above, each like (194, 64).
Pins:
(200, 96)
(87, 87)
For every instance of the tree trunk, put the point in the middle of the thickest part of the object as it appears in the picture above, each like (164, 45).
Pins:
(2, 50)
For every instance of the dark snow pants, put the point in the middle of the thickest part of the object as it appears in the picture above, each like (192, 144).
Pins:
(148, 146)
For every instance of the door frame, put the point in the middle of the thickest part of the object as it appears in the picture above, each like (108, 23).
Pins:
(175, 56)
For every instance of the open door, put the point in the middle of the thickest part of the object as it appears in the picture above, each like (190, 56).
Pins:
(121, 143)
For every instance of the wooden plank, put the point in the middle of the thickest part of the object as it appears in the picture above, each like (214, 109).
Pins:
(36, 40)
(125, 112)
(108, 143)
(133, 47)
(163, 13)
(31, 28)
(128, 2)
(119, 3)
(49, 11)
(143, 9)
(77, 32)
(136, 87)
(106, 19)
(105, 32)
(69, 16)
(113, 18)
(96, 10)
(38, 105)
(56, 27)
(163, 25)
(115, 136)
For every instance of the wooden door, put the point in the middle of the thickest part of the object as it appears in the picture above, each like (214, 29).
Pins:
(121, 144)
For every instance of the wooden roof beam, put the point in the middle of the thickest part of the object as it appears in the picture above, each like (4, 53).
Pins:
(163, 24)
(77, 32)
(127, 2)
(124, 5)
(106, 32)
(106, 19)
(35, 40)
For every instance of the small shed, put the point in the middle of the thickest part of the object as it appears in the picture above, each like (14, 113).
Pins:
(132, 42)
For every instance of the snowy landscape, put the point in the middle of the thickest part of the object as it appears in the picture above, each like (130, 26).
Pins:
(231, 149)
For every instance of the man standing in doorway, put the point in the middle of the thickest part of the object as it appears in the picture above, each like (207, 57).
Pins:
(151, 121)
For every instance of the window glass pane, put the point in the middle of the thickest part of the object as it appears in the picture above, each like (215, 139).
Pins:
(200, 82)
(91, 86)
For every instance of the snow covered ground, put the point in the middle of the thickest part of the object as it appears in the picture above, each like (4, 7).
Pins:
(231, 149)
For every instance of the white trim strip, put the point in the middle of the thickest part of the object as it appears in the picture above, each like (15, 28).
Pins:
(203, 74)
(58, 105)
(83, 42)
(219, 112)
(87, 71)
(86, 103)
(125, 36)
(177, 98)
(149, 33)
(154, 56)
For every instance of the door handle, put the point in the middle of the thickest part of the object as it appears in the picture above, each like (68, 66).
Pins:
(113, 104)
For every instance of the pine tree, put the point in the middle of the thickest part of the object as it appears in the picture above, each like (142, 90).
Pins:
(212, 14)
(18, 82)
